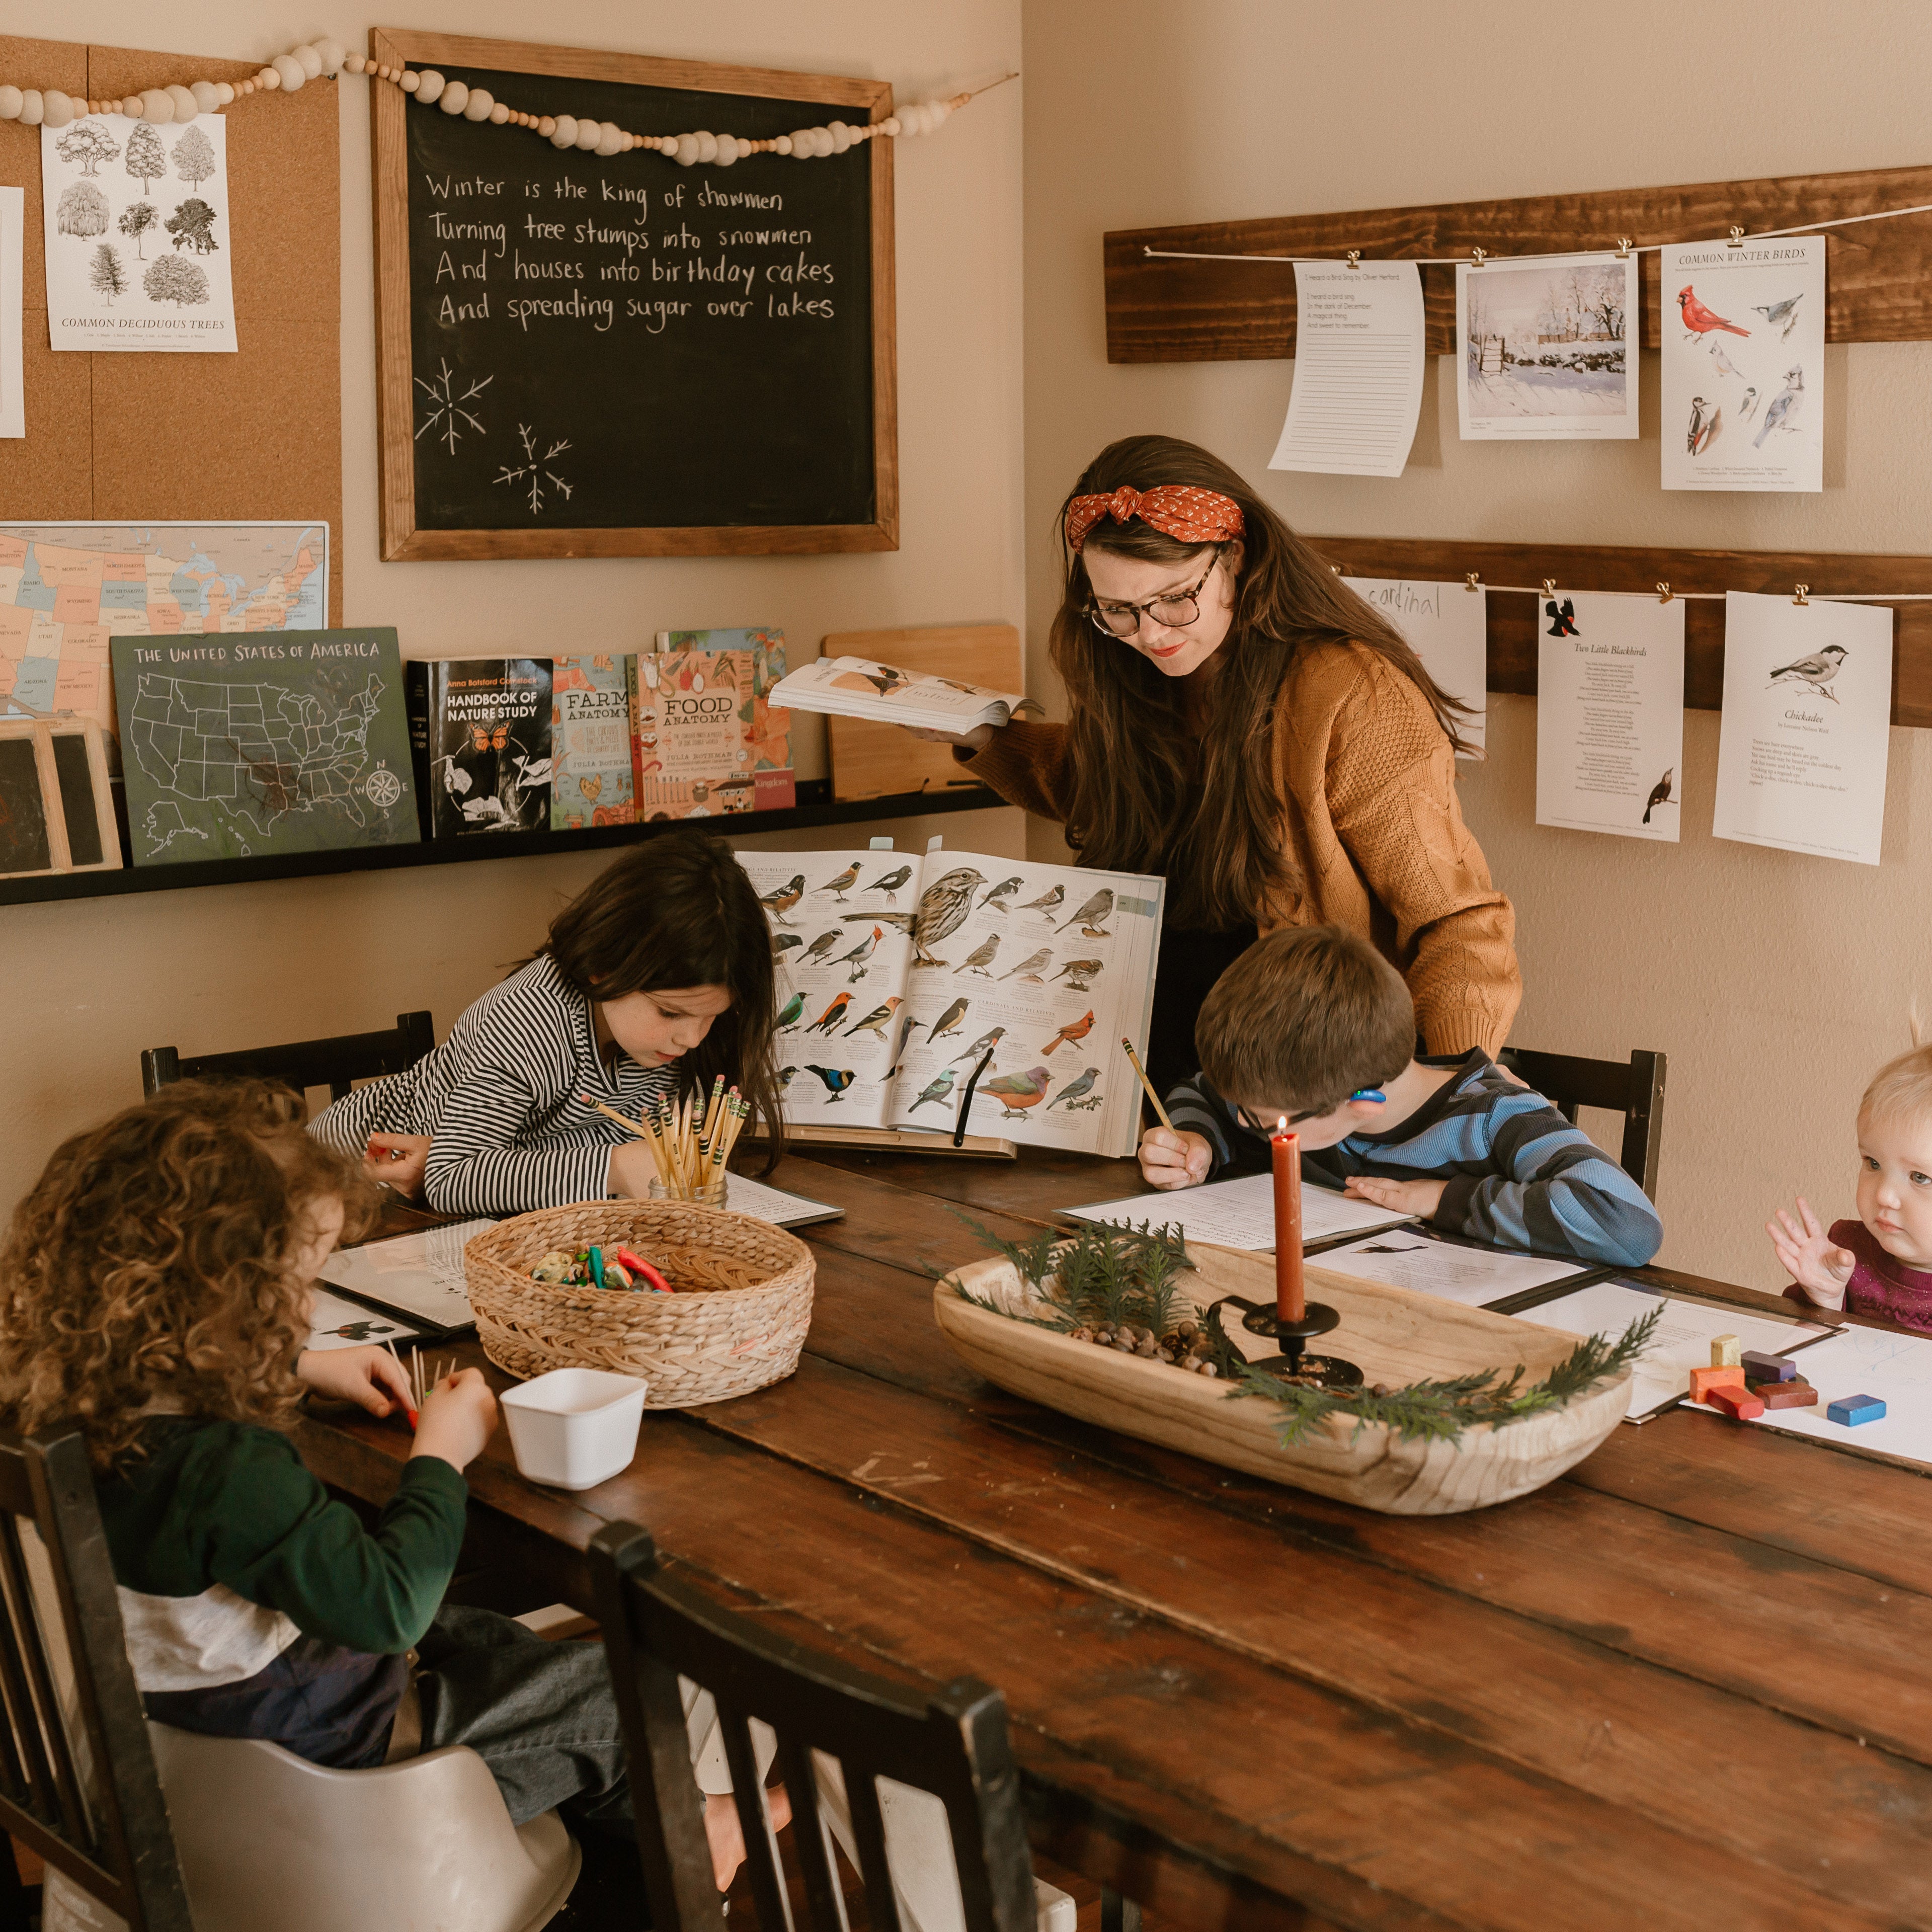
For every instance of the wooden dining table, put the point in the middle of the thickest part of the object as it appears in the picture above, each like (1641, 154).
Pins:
(1687, 1684)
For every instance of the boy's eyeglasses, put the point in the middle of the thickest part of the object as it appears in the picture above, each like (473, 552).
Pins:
(1266, 1128)
(1175, 610)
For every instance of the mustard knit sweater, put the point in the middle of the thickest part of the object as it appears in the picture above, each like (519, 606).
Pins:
(1366, 780)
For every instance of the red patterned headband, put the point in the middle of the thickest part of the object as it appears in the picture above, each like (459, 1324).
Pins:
(1176, 510)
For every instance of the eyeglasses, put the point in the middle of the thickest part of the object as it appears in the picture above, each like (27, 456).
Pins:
(1267, 1128)
(1174, 610)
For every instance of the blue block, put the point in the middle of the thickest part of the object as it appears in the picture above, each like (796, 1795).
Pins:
(1851, 1410)
(1758, 1367)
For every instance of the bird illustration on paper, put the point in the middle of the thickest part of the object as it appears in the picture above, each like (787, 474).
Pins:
(1704, 419)
(783, 942)
(1660, 794)
(937, 1090)
(906, 1026)
(831, 1015)
(785, 1077)
(1016, 1092)
(1562, 618)
(948, 1021)
(1777, 415)
(1699, 320)
(1074, 1030)
(1093, 915)
(1748, 407)
(984, 1044)
(1781, 316)
(874, 1022)
(1047, 904)
(1075, 1090)
(1077, 973)
(1029, 968)
(840, 886)
(860, 954)
(997, 896)
(1816, 671)
(889, 882)
(819, 946)
(943, 907)
(781, 901)
(1720, 362)
(836, 1079)
(980, 957)
(788, 1014)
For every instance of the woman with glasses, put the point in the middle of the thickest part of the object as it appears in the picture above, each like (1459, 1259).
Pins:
(1243, 723)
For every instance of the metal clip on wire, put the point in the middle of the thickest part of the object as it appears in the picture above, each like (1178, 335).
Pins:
(1803, 595)
(1472, 580)
(1354, 258)
(1623, 247)
(1663, 593)
(1550, 586)
(1737, 240)
(1478, 256)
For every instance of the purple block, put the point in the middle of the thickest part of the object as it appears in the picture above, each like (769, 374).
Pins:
(1851, 1410)
(1760, 1367)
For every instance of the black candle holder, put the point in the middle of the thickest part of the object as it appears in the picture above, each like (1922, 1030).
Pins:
(1318, 1318)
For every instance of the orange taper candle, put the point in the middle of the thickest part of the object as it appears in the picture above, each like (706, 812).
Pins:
(1290, 1302)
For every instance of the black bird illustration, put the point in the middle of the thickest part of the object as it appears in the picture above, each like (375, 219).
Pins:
(1562, 618)
(1660, 794)
(948, 1021)
(889, 883)
(997, 896)
(782, 943)
(836, 1080)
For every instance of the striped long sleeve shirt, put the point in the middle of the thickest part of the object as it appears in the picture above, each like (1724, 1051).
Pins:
(499, 1100)
(1517, 1175)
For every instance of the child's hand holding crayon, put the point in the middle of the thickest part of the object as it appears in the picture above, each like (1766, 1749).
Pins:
(1171, 1159)
(398, 1161)
(1818, 1265)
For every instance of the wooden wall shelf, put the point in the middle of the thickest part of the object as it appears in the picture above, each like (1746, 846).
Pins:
(1513, 629)
(816, 807)
(1878, 274)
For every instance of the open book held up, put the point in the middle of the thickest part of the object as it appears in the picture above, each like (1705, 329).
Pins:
(898, 973)
(859, 687)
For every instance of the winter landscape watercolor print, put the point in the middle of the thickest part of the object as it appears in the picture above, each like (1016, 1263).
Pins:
(1547, 349)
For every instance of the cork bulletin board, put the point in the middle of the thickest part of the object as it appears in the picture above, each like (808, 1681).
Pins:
(252, 437)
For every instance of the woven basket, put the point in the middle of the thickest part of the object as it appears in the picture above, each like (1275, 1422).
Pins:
(737, 1322)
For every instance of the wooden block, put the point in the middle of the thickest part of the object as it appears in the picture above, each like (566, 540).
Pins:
(1703, 1381)
(1760, 1367)
(1787, 1395)
(1851, 1410)
(1724, 1352)
(1738, 1403)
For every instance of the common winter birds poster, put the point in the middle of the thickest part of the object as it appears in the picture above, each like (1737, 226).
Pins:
(1806, 725)
(1742, 331)
(1546, 350)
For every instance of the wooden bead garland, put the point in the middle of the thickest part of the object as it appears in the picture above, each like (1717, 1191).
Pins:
(314, 59)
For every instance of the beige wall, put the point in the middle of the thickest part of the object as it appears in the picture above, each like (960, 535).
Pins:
(1775, 983)
(89, 984)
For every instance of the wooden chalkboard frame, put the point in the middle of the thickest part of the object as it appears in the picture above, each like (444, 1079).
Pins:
(402, 540)
(41, 733)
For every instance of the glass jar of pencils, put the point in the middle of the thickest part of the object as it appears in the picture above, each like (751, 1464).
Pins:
(711, 1195)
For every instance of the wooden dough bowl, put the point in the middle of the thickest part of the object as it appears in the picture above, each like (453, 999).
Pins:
(1392, 1334)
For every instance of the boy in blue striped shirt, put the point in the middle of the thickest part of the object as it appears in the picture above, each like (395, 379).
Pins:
(1313, 1025)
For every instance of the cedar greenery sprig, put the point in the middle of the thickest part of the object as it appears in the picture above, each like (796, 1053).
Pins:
(1111, 1273)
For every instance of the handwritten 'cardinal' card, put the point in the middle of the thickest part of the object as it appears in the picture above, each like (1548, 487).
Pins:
(1742, 331)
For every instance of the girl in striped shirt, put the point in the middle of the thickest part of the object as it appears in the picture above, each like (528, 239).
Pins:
(655, 978)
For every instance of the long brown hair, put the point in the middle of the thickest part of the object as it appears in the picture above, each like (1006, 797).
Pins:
(151, 1262)
(680, 911)
(1148, 794)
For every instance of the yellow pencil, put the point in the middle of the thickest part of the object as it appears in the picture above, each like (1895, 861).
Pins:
(1134, 1061)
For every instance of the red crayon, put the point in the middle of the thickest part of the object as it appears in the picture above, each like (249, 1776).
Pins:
(1290, 1302)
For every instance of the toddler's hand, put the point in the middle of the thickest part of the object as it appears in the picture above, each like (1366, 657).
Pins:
(459, 1416)
(398, 1160)
(1818, 1265)
(372, 1377)
(1170, 1159)
(1420, 1197)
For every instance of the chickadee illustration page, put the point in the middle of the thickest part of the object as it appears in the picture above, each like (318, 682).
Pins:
(901, 976)
(1807, 724)
(1742, 333)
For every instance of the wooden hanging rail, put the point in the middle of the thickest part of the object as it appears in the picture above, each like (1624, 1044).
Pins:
(1878, 275)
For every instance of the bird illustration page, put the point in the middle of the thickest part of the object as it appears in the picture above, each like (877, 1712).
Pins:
(1743, 337)
(862, 687)
(1609, 714)
(899, 975)
(1806, 725)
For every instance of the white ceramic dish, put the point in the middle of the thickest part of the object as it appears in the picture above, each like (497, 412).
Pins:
(575, 1428)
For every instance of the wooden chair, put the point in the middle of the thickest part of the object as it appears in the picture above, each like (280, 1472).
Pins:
(333, 1064)
(1634, 1090)
(78, 1783)
(953, 1745)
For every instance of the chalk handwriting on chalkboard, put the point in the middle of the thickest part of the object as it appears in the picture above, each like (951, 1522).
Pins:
(444, 410)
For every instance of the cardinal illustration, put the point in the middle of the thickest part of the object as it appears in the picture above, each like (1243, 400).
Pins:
(997, 896)
(860, 954)
(937, 1090)
(831, 1015)
(1093, 915)
(980, 957)
(1660, 794)
(948, 1021)
(1700, 320)
(1074, 1030)
(874, 1022)
(943, 907)
(889, 883)
(1029, 968)
(1720, 362)
(1781, 316)
(819, 946)
(836, 1079)
(1562, 618)
(788, 1014)
(840, 885)
(1047, 904)
(1016, 1092)
(1075, 1090)
(983, 1044)
(1778, 413)
(1817, 671)
(780, 901)
(1078, 973)
(1704, 420)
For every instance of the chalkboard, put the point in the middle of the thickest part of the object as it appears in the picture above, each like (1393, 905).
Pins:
(589, 356)
(23, 811)
(74, 773)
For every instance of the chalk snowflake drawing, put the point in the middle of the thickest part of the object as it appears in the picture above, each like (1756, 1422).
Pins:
(444, 408)
(530, 475)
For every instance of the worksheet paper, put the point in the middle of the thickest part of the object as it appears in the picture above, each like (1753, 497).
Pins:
(1548, 350)
(744, 1195)
(1682, 1340)
(1897, 1369)
(13, 232)
(1474, 1276)
(1358, 346)
(1241, 1213)
(1609, 715)
(1743, 336)
(420, 1275)
(1806, 726)
(1447, 625)
(336, 1324)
